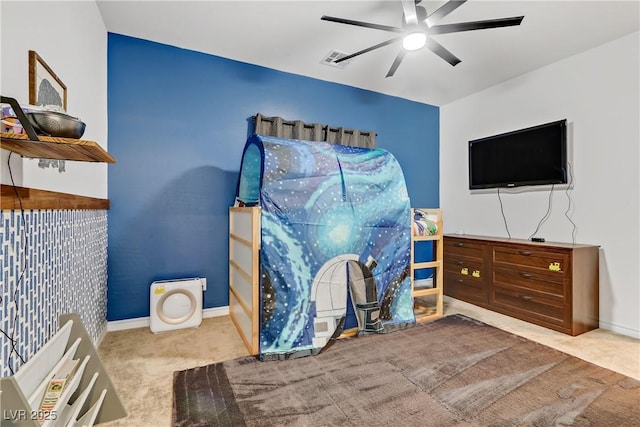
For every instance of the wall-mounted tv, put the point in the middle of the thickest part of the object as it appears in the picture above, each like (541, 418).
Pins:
(533, 156)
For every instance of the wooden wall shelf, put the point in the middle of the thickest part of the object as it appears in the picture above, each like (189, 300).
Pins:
(42, 199)
(55, 148)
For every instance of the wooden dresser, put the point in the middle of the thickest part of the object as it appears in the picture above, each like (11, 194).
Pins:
(550, 284)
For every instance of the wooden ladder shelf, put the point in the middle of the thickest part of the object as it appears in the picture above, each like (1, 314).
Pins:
(428, 301)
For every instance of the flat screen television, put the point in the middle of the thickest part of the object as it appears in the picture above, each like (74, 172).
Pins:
(533, 156)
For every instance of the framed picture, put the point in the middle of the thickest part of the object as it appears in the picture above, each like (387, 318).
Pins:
(45, 88)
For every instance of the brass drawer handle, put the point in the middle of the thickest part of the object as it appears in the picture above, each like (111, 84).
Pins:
(526, 253)
(458, 244)
(526, 275)
(526, 297)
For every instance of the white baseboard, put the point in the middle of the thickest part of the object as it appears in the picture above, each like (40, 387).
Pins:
(215, 311)
(121, 325)
(144, 322)
(622, 330)
(101, 337)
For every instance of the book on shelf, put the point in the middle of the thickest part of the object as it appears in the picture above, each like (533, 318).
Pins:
(57, 384)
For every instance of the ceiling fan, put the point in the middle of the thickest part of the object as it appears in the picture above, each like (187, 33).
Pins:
(418, 27)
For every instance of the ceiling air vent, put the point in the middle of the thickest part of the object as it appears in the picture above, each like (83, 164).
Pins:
(333, 56)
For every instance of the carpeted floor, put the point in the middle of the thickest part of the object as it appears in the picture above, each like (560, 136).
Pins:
(454, 371)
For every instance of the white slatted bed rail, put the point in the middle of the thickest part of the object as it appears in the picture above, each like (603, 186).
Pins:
(244, 273)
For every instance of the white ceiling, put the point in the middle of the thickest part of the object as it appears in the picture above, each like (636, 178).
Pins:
(289, 36)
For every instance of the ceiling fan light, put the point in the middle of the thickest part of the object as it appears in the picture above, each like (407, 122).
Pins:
(414, 41)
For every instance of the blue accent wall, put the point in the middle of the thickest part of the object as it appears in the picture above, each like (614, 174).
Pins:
(178, 122)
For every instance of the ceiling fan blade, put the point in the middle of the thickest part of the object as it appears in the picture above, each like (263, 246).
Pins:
(369, 49)
(410, 14)
(443, 11)
(475, 25)
(442, 52)
(396, 63)
(362, 24)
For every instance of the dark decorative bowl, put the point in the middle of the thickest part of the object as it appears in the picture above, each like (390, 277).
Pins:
(52, 123)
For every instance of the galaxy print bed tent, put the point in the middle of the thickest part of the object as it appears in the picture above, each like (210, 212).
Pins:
(320, 246)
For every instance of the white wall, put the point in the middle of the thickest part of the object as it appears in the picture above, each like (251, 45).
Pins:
(597, 92)
(72, 39)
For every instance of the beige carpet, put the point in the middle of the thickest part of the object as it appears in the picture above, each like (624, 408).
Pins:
(141, 364)
(453, 371)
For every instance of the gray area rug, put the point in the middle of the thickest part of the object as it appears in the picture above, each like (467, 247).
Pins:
(454, 371)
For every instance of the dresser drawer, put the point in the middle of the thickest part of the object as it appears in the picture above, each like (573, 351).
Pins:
(530, 305)
(553, 263)
(463, 247)
(465, 288)
(523, 278)
(465, 267)
(454, 262)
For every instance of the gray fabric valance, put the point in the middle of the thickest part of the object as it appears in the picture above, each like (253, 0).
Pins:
(296, 129)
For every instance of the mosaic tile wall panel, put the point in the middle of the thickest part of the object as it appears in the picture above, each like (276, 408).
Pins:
(59, 265)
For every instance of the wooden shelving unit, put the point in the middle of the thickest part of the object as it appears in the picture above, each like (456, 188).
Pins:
(428, 301)
(51, 148)
(89, 397)
(55, 148)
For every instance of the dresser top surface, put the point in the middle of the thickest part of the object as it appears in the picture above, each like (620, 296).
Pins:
(489, 239)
